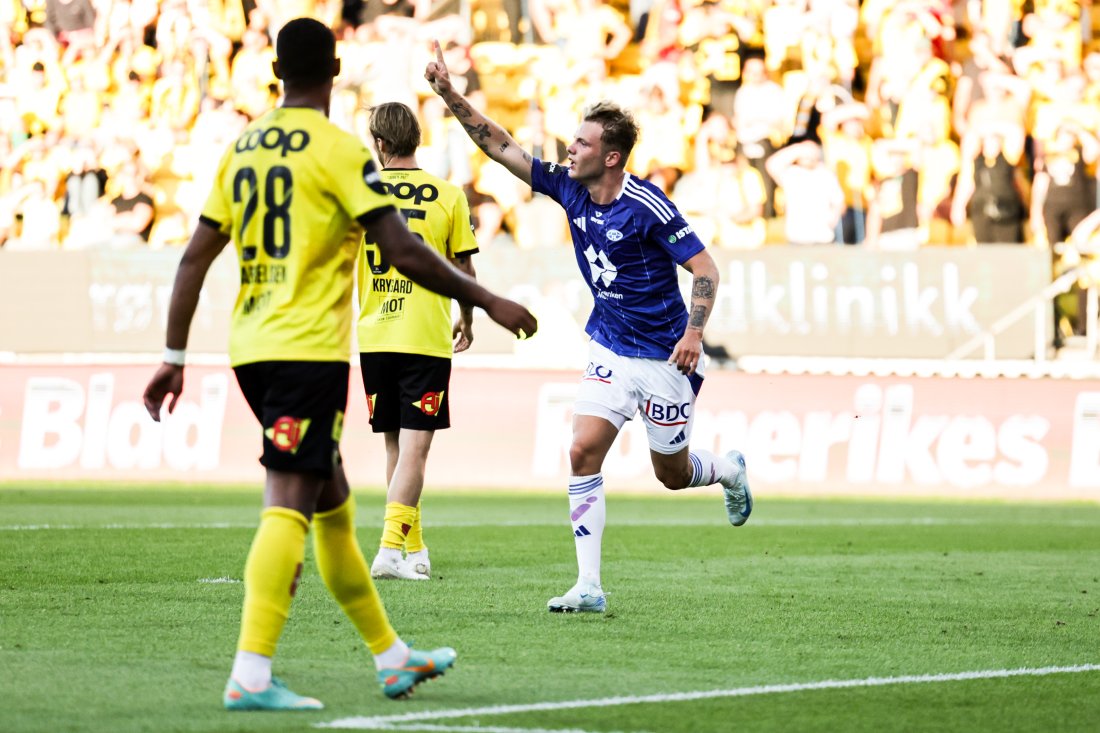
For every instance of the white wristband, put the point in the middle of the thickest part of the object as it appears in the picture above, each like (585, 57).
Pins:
(174, 357)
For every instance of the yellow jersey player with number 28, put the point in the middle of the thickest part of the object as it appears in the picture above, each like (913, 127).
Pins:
(293, 192)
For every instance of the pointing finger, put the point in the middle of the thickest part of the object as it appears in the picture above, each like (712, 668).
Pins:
(438, 51)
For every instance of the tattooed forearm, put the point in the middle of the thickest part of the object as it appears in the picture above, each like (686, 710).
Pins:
(460, 109)
(527, 157)
(698, 317)
(478, 132)
(504, 146)
(703, 287)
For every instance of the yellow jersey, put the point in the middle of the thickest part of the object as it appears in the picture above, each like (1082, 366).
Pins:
(288, 192)
(396, 314)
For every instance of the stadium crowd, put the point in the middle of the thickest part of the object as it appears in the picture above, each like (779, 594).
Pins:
(886, 123)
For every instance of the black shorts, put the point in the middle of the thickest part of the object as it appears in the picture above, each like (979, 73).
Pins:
(300, 405)
(406, 391)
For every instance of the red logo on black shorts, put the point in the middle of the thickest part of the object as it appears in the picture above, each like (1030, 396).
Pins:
(430, 403)
(286, 433)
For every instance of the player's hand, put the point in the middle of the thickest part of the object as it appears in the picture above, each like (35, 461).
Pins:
(462, 334)
(167, 381)
(512, 316)
(436, 72)
(688, 352)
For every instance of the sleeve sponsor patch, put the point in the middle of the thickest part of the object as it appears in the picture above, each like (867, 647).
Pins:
(373, 179)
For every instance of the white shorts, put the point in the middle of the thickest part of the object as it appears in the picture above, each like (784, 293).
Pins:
(617, 387)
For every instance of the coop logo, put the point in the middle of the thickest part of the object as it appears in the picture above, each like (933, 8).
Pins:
(69, 423)
(614, 235)
(417, 194)
(287, 434)
(372, 179)
(665, 414)
(430, 403)
(673, 238)
(600, 268)
(273, 138)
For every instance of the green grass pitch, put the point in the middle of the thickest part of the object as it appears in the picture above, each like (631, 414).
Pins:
(119, 611)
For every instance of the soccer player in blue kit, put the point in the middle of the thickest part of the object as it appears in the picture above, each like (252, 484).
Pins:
(645, 353)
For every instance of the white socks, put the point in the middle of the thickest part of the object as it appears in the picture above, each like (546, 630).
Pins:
(588, 514)
(707, 468)
(252, 671)
(395, 656)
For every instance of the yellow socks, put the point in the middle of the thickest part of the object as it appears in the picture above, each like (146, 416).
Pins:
(271, 575)
(344, 570)
(414, 542)
(399, 522)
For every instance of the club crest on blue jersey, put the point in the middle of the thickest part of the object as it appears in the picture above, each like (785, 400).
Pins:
(601, 269)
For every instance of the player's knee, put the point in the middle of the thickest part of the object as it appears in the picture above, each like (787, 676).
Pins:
(672, 479)
(583, 460)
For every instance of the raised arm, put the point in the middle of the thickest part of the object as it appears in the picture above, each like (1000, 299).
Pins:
(704, 288)
(493, 140)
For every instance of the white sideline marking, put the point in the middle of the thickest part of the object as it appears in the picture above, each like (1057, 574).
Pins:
(217, 581)
(481, 729)
(672, 522)
(408, 721)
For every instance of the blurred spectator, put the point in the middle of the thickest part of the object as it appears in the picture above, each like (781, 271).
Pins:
(893, 217)
(1063, 193)
(254, 87)
(969, 89)
(785, 22)
(589, 34)
(988, 191)
(1062, 197)
(999, 20)
(713, 32)
(37, 219)
(813, 199)
(133, 207)
(760, 120)
(847, 149)
(723, 196)
(72, 23)
(84, 184)
(666, 129)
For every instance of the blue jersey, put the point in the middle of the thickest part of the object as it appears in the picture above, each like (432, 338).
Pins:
(628, 252)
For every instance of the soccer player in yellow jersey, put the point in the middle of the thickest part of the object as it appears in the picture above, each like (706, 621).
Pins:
(292, 192)
(406, 338)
